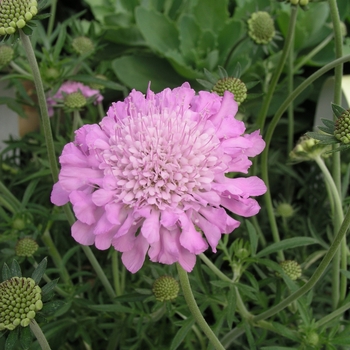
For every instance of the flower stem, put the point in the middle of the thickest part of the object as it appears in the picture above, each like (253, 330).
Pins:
(52, 17)
(196, 313)
(332, 315)
(287, 44)
(35, 328)
(77, 122)
(116, 273)
(229, 337)
(214, 269)
(45, 120)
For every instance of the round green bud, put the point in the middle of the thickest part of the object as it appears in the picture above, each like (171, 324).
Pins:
(342, 127)
(165, 288)
(20, 23)
(312, 338)
(291, 268)
(26, 247)
(284, 210)
(6, 55)
(303, 2)
(234, 85)
(83, 45)
(75, 100)
(261, 27)
(96, 86)
(22, 293)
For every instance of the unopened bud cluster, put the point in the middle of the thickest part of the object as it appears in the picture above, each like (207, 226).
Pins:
(75, 100)
(299, 2)
(342, 127)
(285, 210)
(6, 55)
(291, 268)
(165, 288)
(26, 247)
(261, 27)
(14, 14)
(234, 85)
(83, 45)
(20, 299)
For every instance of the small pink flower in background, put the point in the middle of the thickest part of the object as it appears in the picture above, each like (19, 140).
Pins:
(69, 87)
(150, 178)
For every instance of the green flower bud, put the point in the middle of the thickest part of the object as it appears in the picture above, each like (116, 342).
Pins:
(83, 45)
(308, 148)
(98, 86)
(14, 14)
(261, 27)
(26, 247)
(6, 55)
(75, 100)
(20, 299)
(312, 338)
(291, 268)
(342, 127)
(165, 288)
(234, 85)
(285, 210)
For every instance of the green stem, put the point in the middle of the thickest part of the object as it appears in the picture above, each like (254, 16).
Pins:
(312, 53)
(101, 112)
(287, 44)
(241, 307)
(77, 122)
(52, 17)
(336, 171)
(116, 273)
(332, 315)
(229, 337)
(290, 90)
(338, 217)
(227, 60)
(35, 328)
(56, 256)
(214, 269)
(196, 313)
(45, 119)
(17, 68)
(271, 129)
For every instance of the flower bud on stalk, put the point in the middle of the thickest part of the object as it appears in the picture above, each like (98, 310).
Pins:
(234, 85)
(165, 288)
(6, 55)
(261, 27)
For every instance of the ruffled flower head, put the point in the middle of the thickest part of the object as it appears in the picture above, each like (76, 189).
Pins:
(150, 178)
(71, 89)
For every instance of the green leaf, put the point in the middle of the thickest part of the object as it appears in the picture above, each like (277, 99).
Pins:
(25, 337)
(253, 237)
(345, 273)
(337, 110)
(49, 287)
(328, 123)
(12, 339)
(131, 298)
(326, 129)
(39, 271)
(57, 307)
(231, 305)
(344, 340)
(137, 71)
(15, 269)
(117, 308)
(189, 32)
(6, 272)
(160, 33)
(287, 244)
(322, 137)
(59, 43)
(12, 104)
(181, 333)
(249, 335)
(285, 331)
(278, 348)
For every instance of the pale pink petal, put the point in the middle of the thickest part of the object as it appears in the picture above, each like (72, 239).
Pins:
(150, 227)
(83, 207)
(83, 233)
(134, 259)
(58, 195)
(240, 206)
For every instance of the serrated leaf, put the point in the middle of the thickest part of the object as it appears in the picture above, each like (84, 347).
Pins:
(39, 271)
(181, 334)
(337, 110)
(15, 269)
(12, 339)
(287, 244)
(6, 272)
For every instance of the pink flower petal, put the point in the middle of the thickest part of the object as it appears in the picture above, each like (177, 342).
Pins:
(58, 195)
(134, 258)
(83, 233)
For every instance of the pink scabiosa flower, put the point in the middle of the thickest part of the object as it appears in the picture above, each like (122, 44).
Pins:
(150, 178)
(72, 87)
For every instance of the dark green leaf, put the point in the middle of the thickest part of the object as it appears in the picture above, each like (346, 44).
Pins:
(205, 83)
(117, 308)
(39, 271)
(287, 244)
(53, 306)
(231, 305)
(6, 272)
(15, 269)
(344, 340)
(12, 104)
(25, 337)
(337, 110)
(321, 137)
(49, 287)
(285, 331)
(181, 334)
(253, 237)
(249, 335)
(329, 123)
(131, 298)
(12, 338)
(326, 129)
